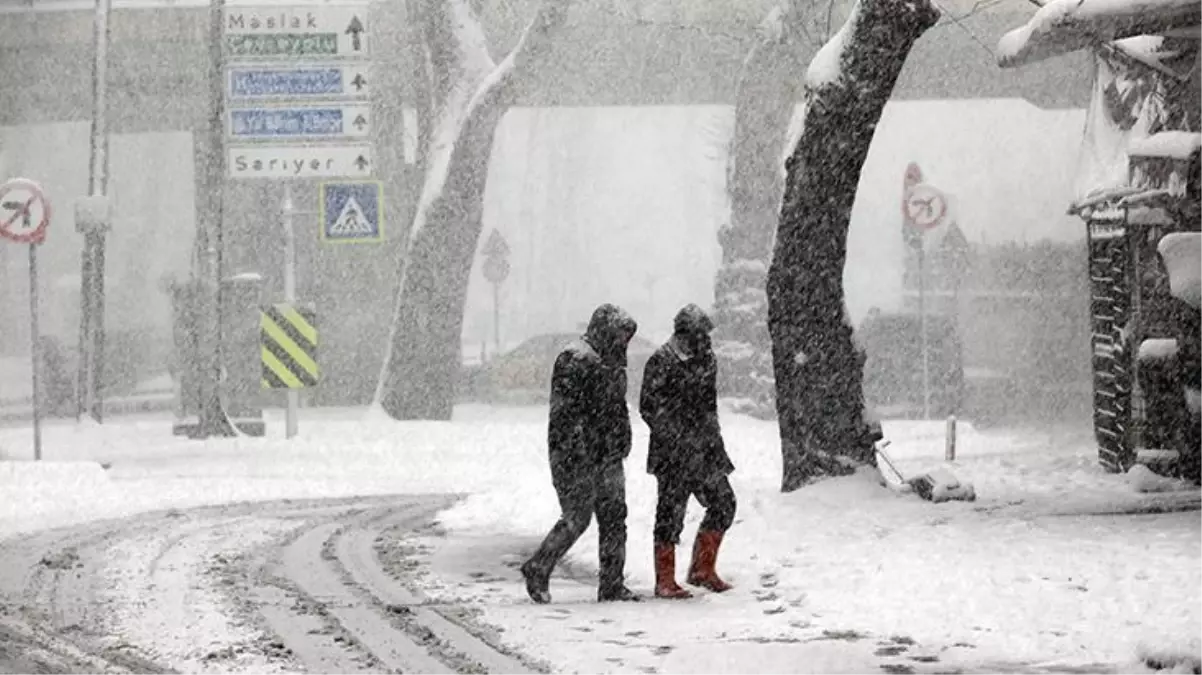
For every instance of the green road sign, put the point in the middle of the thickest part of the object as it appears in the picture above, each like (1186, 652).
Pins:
(282, 44)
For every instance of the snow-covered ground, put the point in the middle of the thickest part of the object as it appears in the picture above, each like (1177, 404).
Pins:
(1039, 569)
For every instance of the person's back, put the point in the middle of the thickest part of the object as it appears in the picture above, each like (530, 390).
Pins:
(588, 437)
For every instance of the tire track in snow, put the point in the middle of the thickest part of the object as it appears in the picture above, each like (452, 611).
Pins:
(354, 550)
(261, 586)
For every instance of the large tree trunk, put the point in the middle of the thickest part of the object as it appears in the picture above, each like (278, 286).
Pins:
(765, 101)
(818, 369)
(470, 94)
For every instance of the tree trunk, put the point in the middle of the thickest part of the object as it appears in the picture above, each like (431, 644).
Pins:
(818, 369)
(470, 95)
(765, 101)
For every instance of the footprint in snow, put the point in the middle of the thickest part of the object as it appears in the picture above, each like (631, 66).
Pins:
(662, 650)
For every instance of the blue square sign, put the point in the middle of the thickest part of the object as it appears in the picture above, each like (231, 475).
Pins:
(352, 212)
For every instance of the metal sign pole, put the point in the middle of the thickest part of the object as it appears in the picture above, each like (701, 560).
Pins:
(496, 317)
(36, 351)
(91, 362)
(291, 422)
(20, 200)
(922, 318)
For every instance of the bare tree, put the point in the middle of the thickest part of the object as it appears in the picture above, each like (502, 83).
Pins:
(818, 370)
(468, 95)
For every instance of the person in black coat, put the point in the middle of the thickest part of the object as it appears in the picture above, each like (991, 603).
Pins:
(588, 439)
(679, 402)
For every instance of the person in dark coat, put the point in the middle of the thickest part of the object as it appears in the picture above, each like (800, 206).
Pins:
(679, 402)
(588, 440)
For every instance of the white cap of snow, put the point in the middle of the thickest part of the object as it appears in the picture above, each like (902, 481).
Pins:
(1182, 255)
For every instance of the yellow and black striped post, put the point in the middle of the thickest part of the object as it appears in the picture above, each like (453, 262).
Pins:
(288, 338)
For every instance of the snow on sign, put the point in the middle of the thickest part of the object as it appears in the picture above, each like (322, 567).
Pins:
(24, 212)
(351, 212)
(317, 161)
(296, 32)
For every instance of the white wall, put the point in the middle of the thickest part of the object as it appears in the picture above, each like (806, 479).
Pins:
(598, 204)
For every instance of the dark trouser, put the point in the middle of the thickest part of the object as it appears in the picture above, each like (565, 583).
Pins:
(582, 493)
(716, 496)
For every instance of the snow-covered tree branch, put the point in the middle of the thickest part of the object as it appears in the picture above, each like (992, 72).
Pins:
(818, 369)
(470, 94)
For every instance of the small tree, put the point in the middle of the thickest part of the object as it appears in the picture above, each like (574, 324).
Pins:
(469, 94)
(818, 370)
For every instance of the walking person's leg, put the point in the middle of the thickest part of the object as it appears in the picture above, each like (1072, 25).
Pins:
(576, 498)
(718, 498)
(611, 534)
(672, 497)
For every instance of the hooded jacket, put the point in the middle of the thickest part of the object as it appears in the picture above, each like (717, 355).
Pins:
(679, 402)
(589, 422)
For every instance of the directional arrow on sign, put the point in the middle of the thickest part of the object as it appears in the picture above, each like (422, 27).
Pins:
(359, 81)
(361, 162)
(21, 208)
(360, 122)
(355, 29)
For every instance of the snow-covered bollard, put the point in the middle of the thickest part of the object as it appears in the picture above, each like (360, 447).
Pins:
(1182, 256)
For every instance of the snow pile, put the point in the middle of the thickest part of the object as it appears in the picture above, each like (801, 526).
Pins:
(71, 489)
(1143, 479)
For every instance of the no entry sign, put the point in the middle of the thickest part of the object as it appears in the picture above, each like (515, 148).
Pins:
(924, 206)
(24, 211)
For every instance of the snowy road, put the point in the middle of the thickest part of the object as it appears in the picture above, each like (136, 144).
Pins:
(288, 586)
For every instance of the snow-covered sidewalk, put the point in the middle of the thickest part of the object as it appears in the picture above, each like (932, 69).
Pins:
(840, 576)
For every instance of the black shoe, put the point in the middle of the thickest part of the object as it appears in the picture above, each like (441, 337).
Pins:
(536, 585)
(617, 594)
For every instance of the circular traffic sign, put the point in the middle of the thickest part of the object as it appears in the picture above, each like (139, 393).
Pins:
(24, 211)
(925, 206)
(496, 269)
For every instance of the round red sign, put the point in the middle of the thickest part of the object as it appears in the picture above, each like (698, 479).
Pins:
(24, 211)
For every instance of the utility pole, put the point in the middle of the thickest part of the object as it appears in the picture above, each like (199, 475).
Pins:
(209, 239)
(89, 397)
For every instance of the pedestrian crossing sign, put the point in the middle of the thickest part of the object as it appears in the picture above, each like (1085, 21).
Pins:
(351, 212)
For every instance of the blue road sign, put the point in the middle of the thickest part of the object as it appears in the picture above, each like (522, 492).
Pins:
(306, 82)
(351, 212)
(334, 120)
(325, 81)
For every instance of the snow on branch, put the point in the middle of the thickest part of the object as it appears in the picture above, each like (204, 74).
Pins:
(1167, 144)
(1064, 26)
(469, 86)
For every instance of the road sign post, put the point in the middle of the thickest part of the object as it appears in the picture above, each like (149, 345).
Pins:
(296, 78)
(924, 208)
(496, 271)
(24, 219)
(290, 421)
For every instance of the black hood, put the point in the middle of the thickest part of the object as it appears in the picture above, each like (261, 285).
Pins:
(609, 333)
(692, 321)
